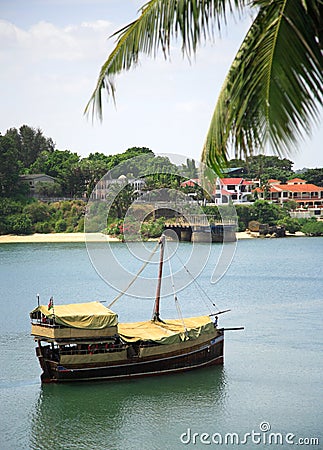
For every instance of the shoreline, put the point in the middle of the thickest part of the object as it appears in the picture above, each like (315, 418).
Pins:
(95, 237)
(54, 238)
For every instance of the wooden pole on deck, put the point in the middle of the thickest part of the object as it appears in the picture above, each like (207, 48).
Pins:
(156, 317)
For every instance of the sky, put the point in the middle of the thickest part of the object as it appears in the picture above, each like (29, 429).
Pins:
(51, 52)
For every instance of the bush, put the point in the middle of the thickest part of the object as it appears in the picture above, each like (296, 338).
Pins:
(80, 226)
(241, 226)
(65, 206)
(243, 212)
(37, 211)
(60, 226)
(153, 228)
(58, 214)
(9, 207)
(20, 224)
(115, 228)
(149, 229)
(291, 225)
(313, 228)
(43, 227)
(44, 217)
(290, 205)
(265, 212)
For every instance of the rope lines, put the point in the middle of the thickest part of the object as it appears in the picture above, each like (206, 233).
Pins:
(135, 277)
(199, 286)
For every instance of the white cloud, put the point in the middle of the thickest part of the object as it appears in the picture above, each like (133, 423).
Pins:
(11, 36)
(49, 71)
(45, 41)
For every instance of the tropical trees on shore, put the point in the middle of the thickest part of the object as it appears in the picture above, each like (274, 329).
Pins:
(274, 87)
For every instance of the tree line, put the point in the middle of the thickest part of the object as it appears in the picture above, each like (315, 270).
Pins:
(26, 151)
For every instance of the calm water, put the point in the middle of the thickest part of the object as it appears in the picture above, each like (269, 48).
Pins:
(272, 373)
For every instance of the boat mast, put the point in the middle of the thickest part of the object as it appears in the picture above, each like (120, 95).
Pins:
(156, 317)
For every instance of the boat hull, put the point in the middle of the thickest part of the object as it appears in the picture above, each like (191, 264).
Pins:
(206, 354)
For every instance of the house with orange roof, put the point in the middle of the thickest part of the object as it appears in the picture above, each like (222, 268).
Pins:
(306, 195)
(235, 190)
(228, 190)
(191, 182)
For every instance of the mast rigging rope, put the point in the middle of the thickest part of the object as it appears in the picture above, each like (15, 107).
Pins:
(135, 277)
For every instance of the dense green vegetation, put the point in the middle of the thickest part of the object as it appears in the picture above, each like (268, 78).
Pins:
(264, 168)
(28, 151)
(26, 217)
(149, 229)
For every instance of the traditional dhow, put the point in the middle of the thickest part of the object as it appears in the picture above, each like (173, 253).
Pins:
(85, 341)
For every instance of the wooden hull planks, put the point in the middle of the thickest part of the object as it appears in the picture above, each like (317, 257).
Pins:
(206, 354)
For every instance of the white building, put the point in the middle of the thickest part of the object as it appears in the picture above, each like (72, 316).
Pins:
(104, 185)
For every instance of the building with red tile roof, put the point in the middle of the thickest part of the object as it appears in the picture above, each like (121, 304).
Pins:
(235, 190)
(227, 190)
(305, 195)
(296, 181)
(191, 182)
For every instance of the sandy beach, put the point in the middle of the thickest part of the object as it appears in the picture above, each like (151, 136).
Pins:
(56, 237)
(78, 237)
(246, 235)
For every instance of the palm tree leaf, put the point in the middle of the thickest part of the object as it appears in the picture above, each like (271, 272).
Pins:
(274, 86)
(159, 22)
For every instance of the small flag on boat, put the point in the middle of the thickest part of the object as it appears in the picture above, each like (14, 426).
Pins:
(50, 304)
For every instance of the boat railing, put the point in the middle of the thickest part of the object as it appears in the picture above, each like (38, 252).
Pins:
(90, 351)
(50, 323)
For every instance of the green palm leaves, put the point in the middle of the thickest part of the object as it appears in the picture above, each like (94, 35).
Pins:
(274, 86)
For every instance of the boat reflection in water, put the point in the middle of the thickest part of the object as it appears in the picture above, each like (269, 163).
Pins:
(111, 415)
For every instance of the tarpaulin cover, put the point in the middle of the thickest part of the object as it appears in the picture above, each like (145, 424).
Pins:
(91, 315)
(170, 332)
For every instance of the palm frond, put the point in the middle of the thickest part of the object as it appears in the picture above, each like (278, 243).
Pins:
(274, 86)
(160, 21)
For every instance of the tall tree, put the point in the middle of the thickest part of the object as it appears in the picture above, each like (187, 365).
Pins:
(93, 168)
(29, 142)
(274, 86)
(64, 166)
(189, 169)
(266, 167)
(9, 167)
(314, 176)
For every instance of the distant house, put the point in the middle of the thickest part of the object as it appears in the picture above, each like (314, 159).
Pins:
(235, 190)
(192, 182)
(102, 188)
(227, 190)
(306, 196)
(33, 179)
(272, 181)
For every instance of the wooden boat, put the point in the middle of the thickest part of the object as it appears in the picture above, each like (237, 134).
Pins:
(85, 341)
